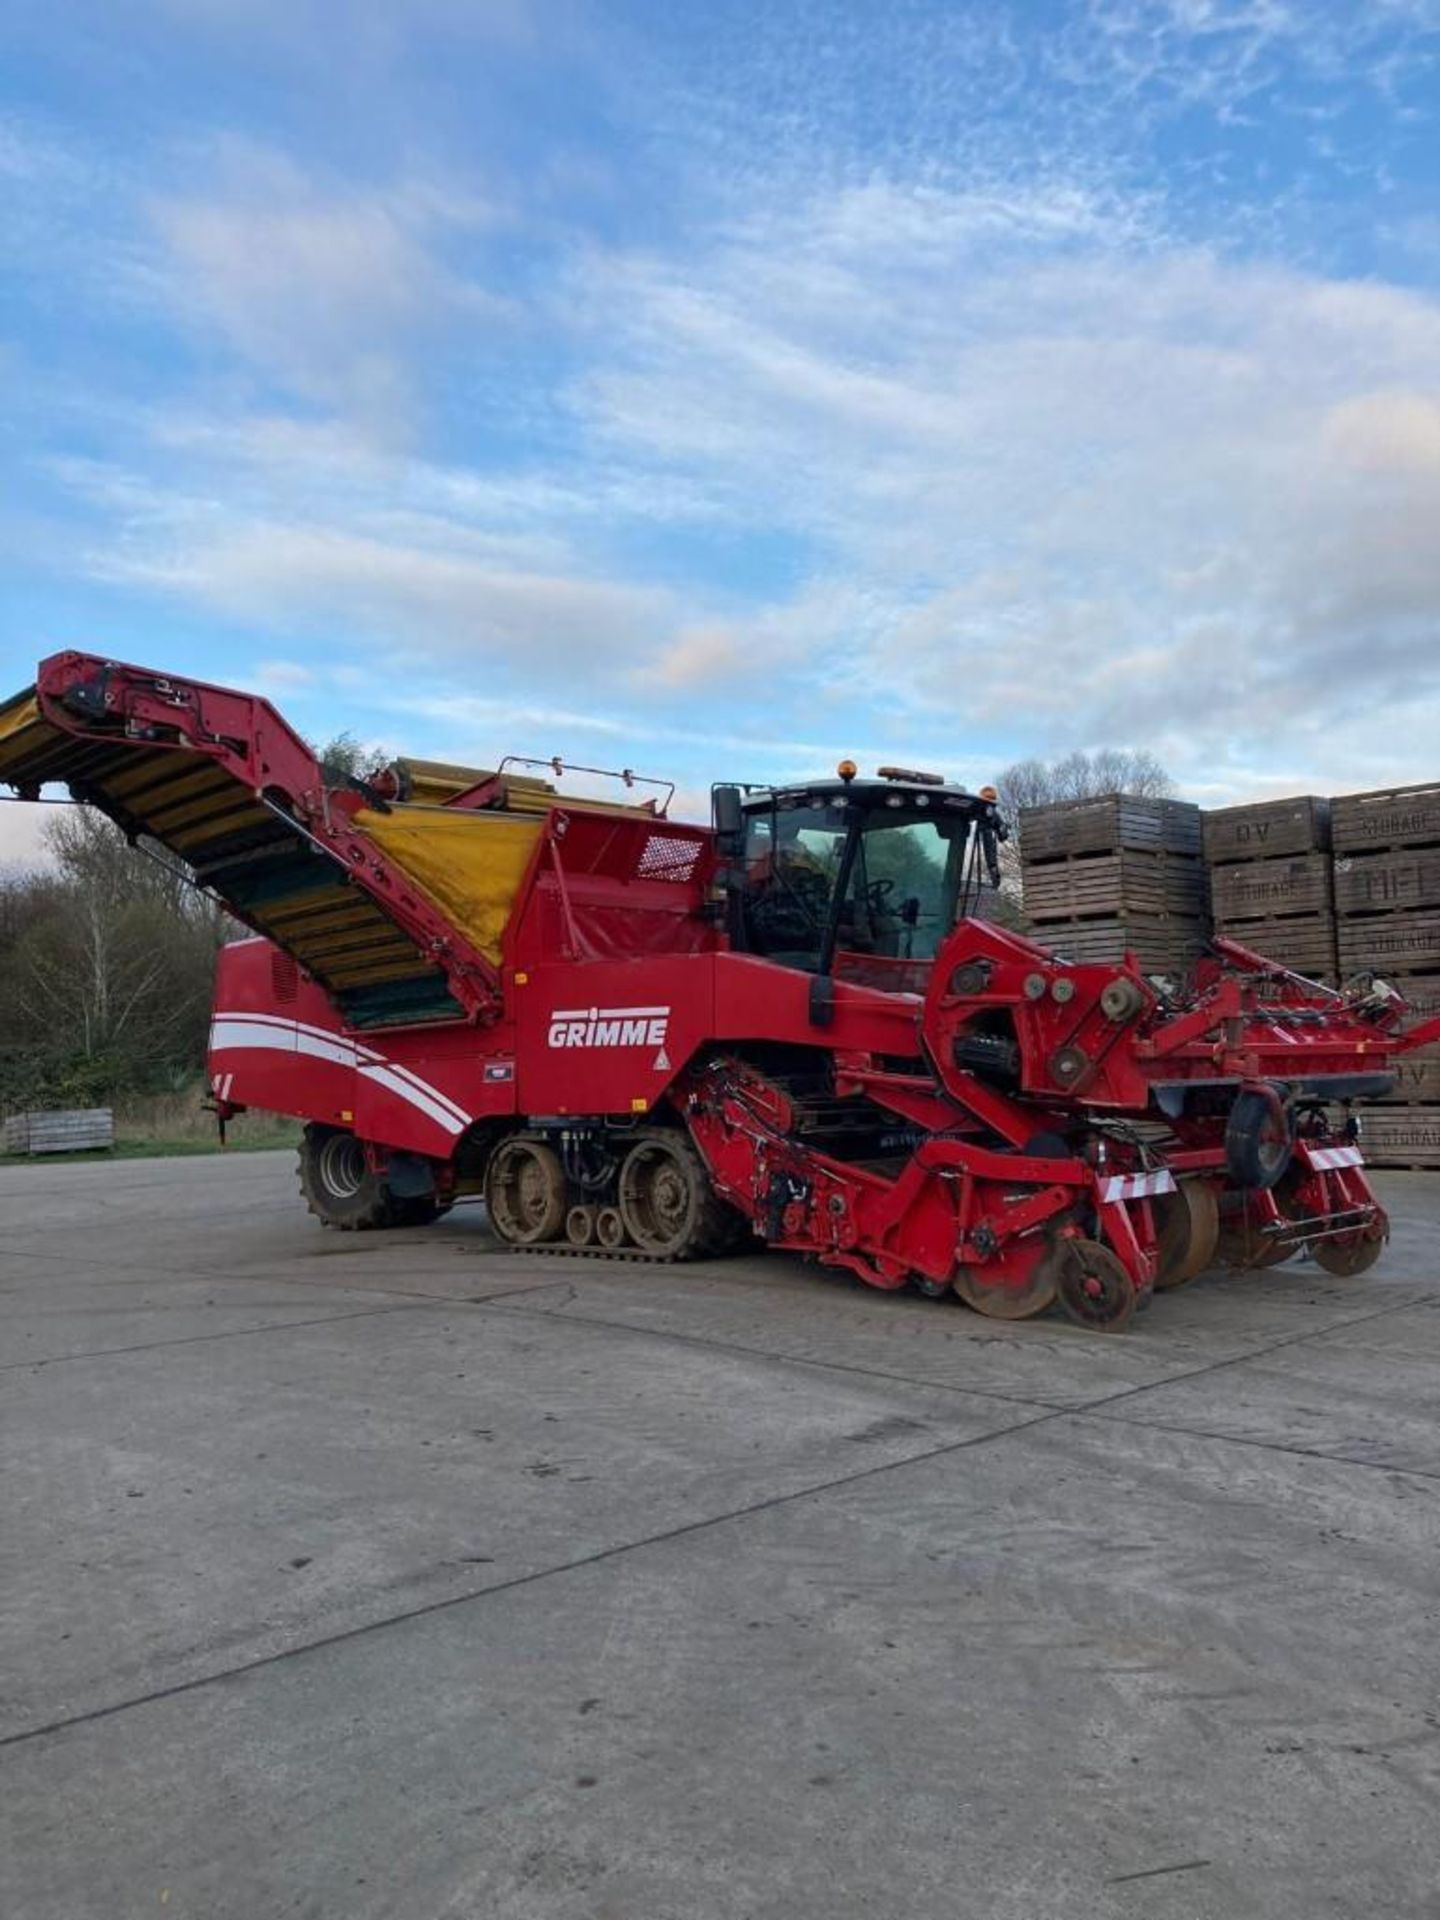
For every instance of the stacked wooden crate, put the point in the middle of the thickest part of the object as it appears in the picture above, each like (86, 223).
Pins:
(1387, 898)
(1120, 873)
(1270, 883)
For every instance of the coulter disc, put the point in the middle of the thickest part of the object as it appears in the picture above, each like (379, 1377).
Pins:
(1188, 1223)
(1356, 1253)
(1014, 1288)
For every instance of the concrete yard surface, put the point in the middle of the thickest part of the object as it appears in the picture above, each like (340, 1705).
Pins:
(350, 1577)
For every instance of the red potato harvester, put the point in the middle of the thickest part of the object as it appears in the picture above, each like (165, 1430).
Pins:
(650, 1039)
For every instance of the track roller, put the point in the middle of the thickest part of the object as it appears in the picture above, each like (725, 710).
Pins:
(610, 1228)
(580, 1226)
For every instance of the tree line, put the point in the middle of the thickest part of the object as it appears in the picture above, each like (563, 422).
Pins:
(106, 960)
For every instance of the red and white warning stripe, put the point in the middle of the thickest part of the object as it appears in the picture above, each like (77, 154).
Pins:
(1136, 1186)
(1325, 1158)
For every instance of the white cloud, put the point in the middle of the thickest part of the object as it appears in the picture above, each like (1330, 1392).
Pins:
(1089, 492)
(328, 290)
(423, 602)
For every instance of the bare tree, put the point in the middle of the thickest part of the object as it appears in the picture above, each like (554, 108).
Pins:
(1081, 776)
(1078, 776)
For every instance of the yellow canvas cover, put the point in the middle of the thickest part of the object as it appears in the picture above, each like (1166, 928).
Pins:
(470, 864)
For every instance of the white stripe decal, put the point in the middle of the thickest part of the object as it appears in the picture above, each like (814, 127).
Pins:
(1325, 1158)
(363, 1055)
(383, 1077)
(267, 1033)
(1136, 1186)
(424, 1086)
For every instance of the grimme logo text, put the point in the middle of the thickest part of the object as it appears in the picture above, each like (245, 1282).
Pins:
(610, 1027)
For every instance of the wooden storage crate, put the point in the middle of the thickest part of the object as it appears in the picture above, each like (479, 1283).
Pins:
(1417, 1075)
(1391, 943)
(1396, 879)
(1390, 817)
(1421, 992)
(1107, 824)
(1267, 889)
(1162, 945)
(71, 1130)
(1417, 1079)
(1110, 883)
(1267, 829)
(1305, 944)
(1401, 1137)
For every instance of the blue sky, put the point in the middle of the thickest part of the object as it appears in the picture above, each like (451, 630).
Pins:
(721, 388)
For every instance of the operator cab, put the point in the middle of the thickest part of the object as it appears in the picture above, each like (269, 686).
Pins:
(832, 874)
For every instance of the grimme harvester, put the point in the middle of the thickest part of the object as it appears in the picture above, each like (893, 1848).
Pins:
(645, 1038)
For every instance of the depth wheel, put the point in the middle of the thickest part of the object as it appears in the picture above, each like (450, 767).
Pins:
(1189, 1232)
(1259, 1138)
(1348, 1257)
(1095, 1290)
(340, 1187)
(669, 1207)
(525, 1191)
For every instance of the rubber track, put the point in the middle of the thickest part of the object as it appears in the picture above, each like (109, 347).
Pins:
(562, 1249)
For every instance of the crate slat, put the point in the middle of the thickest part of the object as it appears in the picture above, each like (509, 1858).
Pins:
(1388, 817)
(1268, 889)
(1267, 829)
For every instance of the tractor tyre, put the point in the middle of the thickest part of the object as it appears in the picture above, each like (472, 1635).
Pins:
(1259, 1139)
(339, 1186)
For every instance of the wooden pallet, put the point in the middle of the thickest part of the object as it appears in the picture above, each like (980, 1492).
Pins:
(1401, 1137)
(1107, 824)
(1389, 817)
(1267, 829)
(1268, 889)
(71, 1130)
(1391, 942)
(1089, 884)
(1162, 945)
(1305, 944)
(1397, 879)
